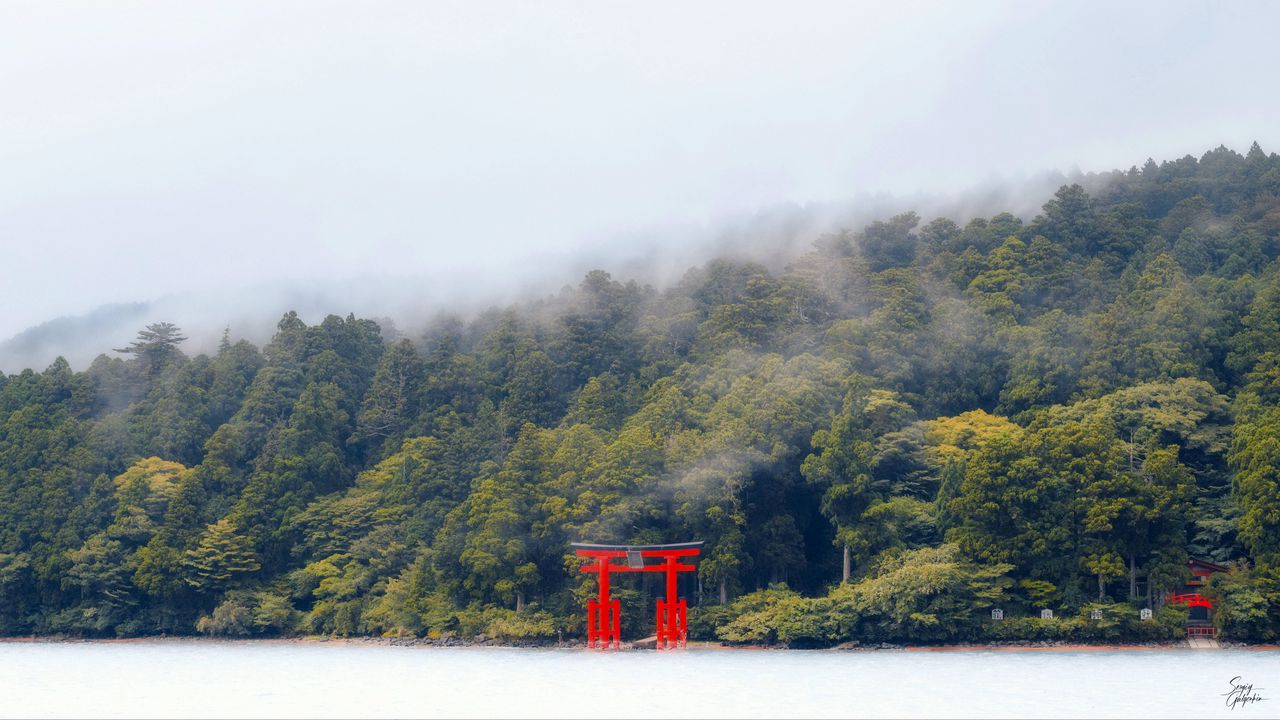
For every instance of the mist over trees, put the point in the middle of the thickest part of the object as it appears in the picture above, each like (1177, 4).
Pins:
(905, 427)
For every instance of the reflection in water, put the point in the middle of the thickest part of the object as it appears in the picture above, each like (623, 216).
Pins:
(281, 679)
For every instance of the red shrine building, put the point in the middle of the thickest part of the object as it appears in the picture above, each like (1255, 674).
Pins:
(1200, 572)
(1200, 608)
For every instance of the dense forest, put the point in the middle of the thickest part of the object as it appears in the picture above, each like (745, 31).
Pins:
(903, 428)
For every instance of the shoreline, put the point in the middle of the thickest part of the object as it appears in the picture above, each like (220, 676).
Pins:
(1003, 646)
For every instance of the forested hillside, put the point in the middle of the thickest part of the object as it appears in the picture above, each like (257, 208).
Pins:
(909, 425)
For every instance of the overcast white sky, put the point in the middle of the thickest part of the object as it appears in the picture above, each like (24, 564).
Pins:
(148, 148)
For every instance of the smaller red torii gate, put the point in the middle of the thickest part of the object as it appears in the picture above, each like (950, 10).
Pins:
(1191, 600)
(604, 615)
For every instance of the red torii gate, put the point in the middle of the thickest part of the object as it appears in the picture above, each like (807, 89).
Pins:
(604, 616)
(1191, 600)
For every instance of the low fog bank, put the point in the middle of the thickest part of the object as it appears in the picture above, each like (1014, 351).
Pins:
(406, 302)
(252, 313)
(224, 162)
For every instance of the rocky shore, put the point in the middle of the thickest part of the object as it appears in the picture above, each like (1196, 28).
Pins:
(576, 643)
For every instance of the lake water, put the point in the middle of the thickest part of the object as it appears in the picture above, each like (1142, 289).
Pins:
(280, 679)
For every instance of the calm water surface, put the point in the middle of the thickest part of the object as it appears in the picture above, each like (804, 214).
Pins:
(265, 679)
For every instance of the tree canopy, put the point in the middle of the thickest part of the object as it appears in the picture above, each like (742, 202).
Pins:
(884, 436)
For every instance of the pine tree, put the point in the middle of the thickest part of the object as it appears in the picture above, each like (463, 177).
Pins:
(155, 345)
(221, 557)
